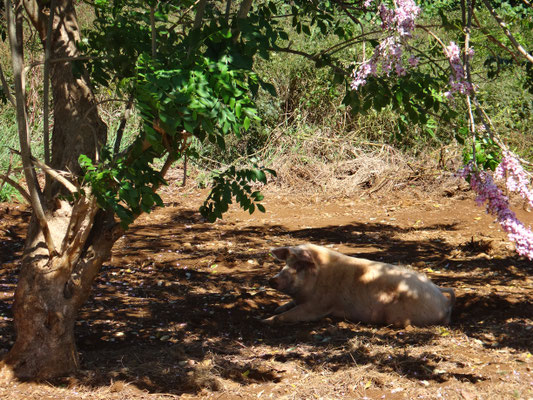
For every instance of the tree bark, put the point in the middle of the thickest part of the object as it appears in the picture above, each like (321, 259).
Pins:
(51, 290)
(77, 125)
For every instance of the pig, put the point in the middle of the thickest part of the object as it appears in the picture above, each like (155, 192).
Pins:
(324, 282)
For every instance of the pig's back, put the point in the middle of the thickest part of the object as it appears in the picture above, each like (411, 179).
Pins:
(376, 292)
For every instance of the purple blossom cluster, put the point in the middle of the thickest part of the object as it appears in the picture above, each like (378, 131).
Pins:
(400, 23)
(458, 82)
(401, 19)
(516, 179)
(498, 205)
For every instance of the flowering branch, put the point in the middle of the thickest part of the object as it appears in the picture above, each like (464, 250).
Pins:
(516, 178)
(498, 204)
(399, 24)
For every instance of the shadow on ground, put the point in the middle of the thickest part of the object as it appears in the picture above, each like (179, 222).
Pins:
(181, 302)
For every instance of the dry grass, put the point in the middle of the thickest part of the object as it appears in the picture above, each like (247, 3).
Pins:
(339, 166)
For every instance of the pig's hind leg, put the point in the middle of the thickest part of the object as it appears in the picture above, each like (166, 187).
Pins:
(285, 307)
(299, 313)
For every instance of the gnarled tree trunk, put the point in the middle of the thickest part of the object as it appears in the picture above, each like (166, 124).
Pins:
(51, 289)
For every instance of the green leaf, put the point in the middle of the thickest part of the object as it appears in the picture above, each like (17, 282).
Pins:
(246, 123)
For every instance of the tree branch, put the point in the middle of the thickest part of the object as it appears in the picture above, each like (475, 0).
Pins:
(228, 9)
(53, 173)
(200, 11)
(244, 9)
(79, 228)
(493, 39)
(182, 17)
(153, 31)
(57, 175)
(14, 23)
(5, 87)
(342, 45)
(507, 32)
(91, 109)
(46, 92)
(342, 5)
(20, 189)
(61, 59)
(466, 62)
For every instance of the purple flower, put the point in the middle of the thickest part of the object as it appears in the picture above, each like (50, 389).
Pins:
(413, 61)
(458, 82)
(399, 23)
(516, 179)
(498, 205)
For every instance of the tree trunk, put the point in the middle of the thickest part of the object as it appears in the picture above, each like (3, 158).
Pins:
(78, 129)
(50, 291)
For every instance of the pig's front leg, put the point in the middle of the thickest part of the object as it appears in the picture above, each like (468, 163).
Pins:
(285, 307)
(300, 312)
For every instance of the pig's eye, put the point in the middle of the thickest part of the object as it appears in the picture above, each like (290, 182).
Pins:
(302, 265)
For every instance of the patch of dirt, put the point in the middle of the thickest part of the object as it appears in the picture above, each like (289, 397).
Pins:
(176, 312)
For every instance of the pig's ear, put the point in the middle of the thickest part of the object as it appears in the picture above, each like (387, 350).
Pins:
(281, 253)
(304, 260)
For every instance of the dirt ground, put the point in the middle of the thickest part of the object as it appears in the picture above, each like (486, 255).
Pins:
(176, 312)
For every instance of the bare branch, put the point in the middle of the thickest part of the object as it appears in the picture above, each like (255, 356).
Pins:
(14, 23)
(471, 98)
(46, 83)
(507, 32)
(91, 109)
(5, 87)
(8, 171)
(228, 9)
(244, 9)
(313, 57)
(80, 225)
(46, 92)
(182, 17)
(342, 5)
(427, 30)
(342, 45)
(153, 31)
(466, 62)
(493, 39)
(168, 162)
(20, 189)
(200, 10)
(53, 173)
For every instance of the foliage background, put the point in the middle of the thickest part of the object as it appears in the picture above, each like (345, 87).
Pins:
(307, 124)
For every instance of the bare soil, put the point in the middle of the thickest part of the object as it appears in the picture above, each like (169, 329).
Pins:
(176, 312)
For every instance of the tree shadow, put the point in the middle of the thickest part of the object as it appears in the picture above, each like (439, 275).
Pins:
(160, 321)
